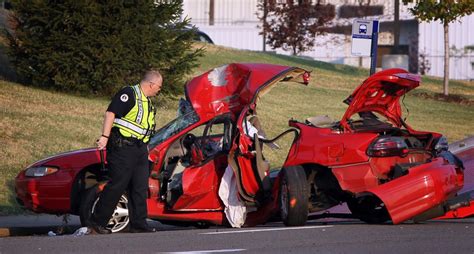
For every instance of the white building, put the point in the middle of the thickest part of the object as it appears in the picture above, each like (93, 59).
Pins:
(461, 34)
(234, 23)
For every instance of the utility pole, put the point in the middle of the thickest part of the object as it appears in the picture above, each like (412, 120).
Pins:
(211, 12)
(265, 12)
(396, 27)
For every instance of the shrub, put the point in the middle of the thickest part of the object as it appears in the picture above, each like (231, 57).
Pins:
(99, 46)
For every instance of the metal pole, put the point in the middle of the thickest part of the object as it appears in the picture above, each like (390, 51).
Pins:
(396, 27)
(373, 48)
(264, 24)
(211, 12)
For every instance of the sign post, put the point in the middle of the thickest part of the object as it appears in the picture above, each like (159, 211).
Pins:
(364, 40)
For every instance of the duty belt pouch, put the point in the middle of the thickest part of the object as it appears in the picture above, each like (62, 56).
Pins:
(115, 140)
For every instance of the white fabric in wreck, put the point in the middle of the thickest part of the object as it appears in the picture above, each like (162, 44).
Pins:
(235, 211)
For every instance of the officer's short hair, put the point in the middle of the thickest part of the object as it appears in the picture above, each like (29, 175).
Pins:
(151, 74)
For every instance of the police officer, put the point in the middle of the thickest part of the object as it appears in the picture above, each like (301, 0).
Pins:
(128, 123)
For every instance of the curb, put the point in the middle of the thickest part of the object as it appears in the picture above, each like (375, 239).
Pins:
(41, 230)
(462, 145)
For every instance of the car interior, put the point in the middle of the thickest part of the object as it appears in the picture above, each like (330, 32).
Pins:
(194, 149)
(362, 122)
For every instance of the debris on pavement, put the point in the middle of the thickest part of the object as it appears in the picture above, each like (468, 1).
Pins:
(82, 231)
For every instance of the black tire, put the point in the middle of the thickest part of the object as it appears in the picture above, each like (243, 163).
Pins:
(369, 209)
(120, 219)
(293, 196)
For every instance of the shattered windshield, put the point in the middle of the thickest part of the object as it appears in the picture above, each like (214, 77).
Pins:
(186, 117)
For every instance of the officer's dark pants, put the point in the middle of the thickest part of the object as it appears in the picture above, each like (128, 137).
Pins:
(128, 170)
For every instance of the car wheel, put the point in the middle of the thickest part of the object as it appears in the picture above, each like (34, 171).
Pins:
(120, 218)
(293, 196)
(369, 209)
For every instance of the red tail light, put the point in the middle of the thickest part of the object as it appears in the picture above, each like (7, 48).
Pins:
(387, 147)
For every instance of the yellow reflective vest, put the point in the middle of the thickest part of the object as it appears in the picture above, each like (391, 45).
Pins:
(140, 120)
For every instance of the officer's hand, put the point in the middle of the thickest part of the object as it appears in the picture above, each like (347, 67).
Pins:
(102, 143)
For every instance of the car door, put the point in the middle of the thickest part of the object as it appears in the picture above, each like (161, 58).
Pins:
(195, 182)
(246, 160)
(245, 156)
(241, 159)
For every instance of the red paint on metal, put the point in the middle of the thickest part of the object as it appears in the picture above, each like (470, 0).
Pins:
(233, 89)
(467, 156)
(381, 93)
(426, 186)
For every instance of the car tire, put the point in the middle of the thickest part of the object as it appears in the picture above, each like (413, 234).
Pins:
(369, 209)
(293, 198)
(120, 218)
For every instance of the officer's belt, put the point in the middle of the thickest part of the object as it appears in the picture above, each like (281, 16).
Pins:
(130, 141)
(117, 138)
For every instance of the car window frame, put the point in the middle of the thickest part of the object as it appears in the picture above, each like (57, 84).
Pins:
(172, 128)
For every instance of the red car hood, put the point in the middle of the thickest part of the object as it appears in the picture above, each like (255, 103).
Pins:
(381, 93)
(46, 161)
(230, 87)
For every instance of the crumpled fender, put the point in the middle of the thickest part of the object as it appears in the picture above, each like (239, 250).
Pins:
(467, 157)
(424, 187)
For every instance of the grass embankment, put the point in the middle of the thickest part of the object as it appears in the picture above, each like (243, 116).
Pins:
(36, 123)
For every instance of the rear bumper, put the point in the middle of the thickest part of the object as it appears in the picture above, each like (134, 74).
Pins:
(461, 206)
(459, 213)
(467, 156)
(423, 188)
(42, 195)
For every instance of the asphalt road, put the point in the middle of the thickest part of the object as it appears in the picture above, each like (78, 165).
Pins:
(339, 236)
(318, 236)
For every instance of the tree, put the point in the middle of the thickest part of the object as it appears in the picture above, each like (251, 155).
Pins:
(100, 46)
(446, 11)
(293, 25)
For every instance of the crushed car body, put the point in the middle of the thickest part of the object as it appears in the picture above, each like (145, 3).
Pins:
(371, 159)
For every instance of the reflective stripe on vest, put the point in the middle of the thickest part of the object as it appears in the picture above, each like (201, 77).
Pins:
(139, 117)
(131, 126)
(140, 120)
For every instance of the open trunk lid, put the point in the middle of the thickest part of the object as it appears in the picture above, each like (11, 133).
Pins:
(381, 93)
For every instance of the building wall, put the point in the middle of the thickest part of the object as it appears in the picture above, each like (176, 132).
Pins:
(226, 12)
(243, 12)
(240, 37)
(461, 34)
(236, 26)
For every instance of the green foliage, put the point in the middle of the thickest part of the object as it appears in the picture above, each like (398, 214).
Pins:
(445, 11)
(293, 26)
(99, 46)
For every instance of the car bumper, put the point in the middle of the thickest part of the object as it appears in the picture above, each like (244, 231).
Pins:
(43, 194)
(423, 188)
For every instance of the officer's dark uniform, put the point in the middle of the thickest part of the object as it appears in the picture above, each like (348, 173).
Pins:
(127, 157)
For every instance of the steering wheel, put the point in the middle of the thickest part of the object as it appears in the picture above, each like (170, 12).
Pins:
(190, 142)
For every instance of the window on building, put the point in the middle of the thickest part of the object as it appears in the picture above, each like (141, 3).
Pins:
(356, 11)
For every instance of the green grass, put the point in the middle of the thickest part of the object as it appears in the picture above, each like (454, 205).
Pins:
(36, 123)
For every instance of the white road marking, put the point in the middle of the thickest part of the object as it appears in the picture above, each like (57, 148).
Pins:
(206, 251)
(263, 230)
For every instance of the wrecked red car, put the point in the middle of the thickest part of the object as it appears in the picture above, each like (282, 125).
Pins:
(383, 169)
